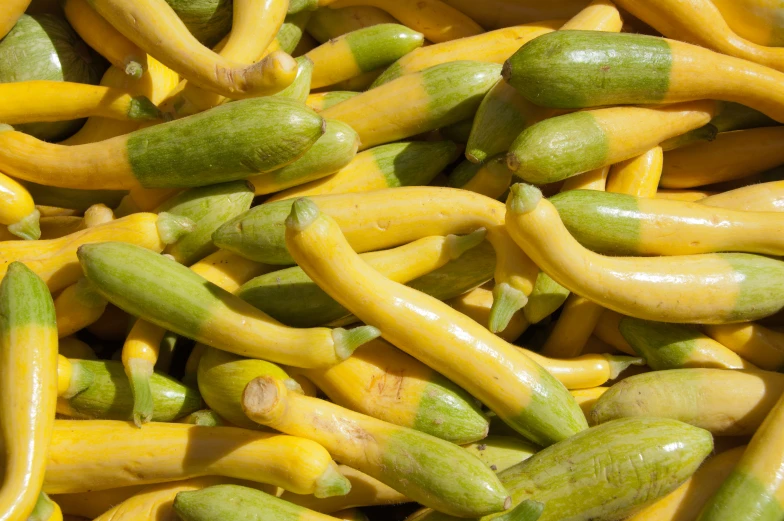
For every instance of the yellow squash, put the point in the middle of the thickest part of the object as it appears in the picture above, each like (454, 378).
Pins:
(477, 303)
(156, 29)
(17, 209)
(28, 384)
(10, 12)
(760, 345)
(103, 454)
(599, 15)
(77, 306)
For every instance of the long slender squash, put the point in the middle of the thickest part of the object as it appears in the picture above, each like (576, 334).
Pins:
(493, 47)
(705, 26)
(727, 403)
(291, 297)
(55, 260)
(755, 20)
(438, 21)
(436, 97)
(383, 382)
(754, 487)
(17, 210)
(620, 224)
(10, 13)
(632, 69)
(200, 310)
(639, 175)
(99, 454)
(762, 197)
(563, 146)
(28, 360)
(424, 468)
(712, 288)
(76, 307)
(156, 29)
(361, 51)
(758, 344)
(233, 141)
(408, 213)
(101, 36)
(62, 101)
(523, 393)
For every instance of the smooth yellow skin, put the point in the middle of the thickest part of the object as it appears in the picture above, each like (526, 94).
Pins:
(493, 46)
(683, 195)
(700, 22)
(764, 457)
(758, 344)
(55, 260)
(637, 176)
(423, 327)
(761, 197)
(333, 62)
(476, 305)
(697, 73)
(607, 330)
(154, 27)
(156, 83)
(388, 376)
(98, 214)
(365, 491)
(16, 202)
(582, 372)
(254, 26)
(103, 454)
(586, 398)
(754, 20)
(30, 159)
(10, 12)
(591, 180)
(575, 325)
(436, 20)
(101, 36)
(642, 287)
(224, 269)
(75, 310)
(369, 116)
(362, 174)
(685, 502)
(732, 155)
(28, 364)
(61, 101)
(64, 374)
(600, 15)
(489, 183)
(431, 211)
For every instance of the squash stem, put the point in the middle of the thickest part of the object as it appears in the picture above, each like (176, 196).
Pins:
(303, 212)
(172, 228)
(524, 198)
(619, 364)
(139, 373)
(506, 302)
(459, 244)
(27, 227)
(348, 340)
(332, 483)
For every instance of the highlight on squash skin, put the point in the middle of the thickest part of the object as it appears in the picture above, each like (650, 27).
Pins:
(685, 502)
(380, 381)
(438, 21)
(598, 138)
(654, 71)
(760, 345)
(727, 403)
(493, 47)
(308, 232)
(17, 210)
(99, 455)
(28, 361)
(10, 13)
(732, 155)
(206, 313)
(705, 26)
(361, 51)
(664, 289)
(157, 30)
(761, 197)
(105, 39)
(460, 484)
(755, 484)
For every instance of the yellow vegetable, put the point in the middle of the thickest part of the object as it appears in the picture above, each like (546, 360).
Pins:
(599, 15)
(28, 365)
(10, 12)
(17, 209)
(586, 398)
(755, 20)
(476, 304)
(144, 199)
(438, 21)
(683, 195)
(101, 36)
(638, 176)
(761, 197)
(55, 260)
(700, 22)
(155, 28)
(78, 306)
(506, 380)
(254, 26)
(591, 180)
(711, 288)
(608, 331)
(760, 345)
(102, 454)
